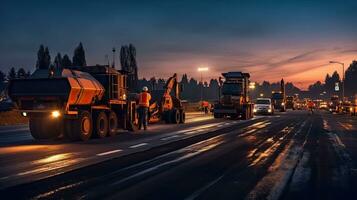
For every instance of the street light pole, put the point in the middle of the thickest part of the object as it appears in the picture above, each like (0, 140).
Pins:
(343, 77)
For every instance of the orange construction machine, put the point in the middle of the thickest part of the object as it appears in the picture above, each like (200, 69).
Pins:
(166, 104)
(235, 100)
(77, 102)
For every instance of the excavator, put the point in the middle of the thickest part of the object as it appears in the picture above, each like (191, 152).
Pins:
(166, 104)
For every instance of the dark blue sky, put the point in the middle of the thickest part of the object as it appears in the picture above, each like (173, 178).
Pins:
(284, 37)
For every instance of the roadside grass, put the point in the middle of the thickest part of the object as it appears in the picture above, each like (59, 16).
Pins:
(12, 118)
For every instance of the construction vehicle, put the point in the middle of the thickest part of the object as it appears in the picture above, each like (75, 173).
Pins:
(76, 102)
(234, 100)
(290, 102)
(335, 104)
(279, 98)
(166, 104)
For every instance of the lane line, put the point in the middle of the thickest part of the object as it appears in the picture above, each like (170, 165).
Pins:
(109, 152)
(169, 137)
(138, 145)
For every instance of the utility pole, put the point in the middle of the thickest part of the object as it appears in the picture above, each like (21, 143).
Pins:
(113, 66)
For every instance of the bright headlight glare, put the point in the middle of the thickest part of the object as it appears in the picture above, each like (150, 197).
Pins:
(24, 114)
(55, 114)
(282, 103)
(254, 110)
(269, 110)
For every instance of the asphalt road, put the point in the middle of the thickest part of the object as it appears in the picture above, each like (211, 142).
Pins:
(291, 155)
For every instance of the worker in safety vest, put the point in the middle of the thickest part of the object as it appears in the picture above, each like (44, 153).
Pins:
(144, 102)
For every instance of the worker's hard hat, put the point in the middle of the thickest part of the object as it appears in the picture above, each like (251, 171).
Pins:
(145, 89)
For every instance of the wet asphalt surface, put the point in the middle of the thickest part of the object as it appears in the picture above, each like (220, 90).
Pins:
(291, 155)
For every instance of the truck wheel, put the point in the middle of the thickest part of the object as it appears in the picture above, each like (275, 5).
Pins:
(182, 117)
(81, 128)
(175, 116)
(101, 125)
(113, 123)
(41, 128)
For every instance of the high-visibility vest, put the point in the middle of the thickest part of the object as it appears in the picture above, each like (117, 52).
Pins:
(144, 99)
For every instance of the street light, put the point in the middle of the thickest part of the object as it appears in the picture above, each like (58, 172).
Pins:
(201, 70)
(343, 77)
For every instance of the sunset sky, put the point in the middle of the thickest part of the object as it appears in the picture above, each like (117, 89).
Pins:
(269, 39)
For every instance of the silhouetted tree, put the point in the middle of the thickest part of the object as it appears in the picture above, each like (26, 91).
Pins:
(12, 74)
(350, 79)
(43, 58)
(2, 77)
(66, 62)
(79, 58)
(58, 61)
(129, 64)
(28, 74)
(21, 73)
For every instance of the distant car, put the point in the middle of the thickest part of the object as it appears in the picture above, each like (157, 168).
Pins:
(263, 106)
(323, 105)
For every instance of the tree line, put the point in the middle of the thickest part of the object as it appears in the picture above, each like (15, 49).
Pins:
(327, 88)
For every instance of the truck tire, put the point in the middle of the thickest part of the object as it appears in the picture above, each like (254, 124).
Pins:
(182, 117)
(100, 125)
(42, 128)
(175, 116)
(113, 123)
(81, 128)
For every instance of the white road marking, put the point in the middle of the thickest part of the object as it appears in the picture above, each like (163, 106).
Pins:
(138, 145)
(338, 140)
(109, 152)
(169, 137)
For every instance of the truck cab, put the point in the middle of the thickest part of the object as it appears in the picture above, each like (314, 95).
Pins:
(290, 102)
(279, 101)
(234, 99)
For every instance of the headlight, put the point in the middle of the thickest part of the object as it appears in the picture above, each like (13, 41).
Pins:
(24, 114)
(282, 103)
(254, 110)
(269, 110)
(55, 114)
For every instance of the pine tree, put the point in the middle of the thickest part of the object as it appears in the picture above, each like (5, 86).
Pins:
(12, 74)
(124, 58)
(79, 58)
(58, 61)
(66, 62)
(28, 74)
(2, 77)
(46, 59)
(21, 73)
(40, 58)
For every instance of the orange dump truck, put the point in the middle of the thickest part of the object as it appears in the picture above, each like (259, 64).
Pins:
(78, 102)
